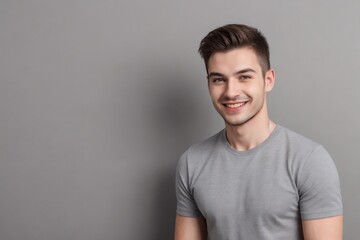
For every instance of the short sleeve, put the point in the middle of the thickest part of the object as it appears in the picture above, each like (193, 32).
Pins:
(186, 205)
(319, 187)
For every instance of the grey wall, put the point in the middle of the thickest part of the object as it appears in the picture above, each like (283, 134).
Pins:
(99, 98)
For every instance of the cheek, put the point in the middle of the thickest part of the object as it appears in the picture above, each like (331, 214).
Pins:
(256, 89)
(215, 92)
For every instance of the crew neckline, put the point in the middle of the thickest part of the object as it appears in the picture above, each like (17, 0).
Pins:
(253, 150)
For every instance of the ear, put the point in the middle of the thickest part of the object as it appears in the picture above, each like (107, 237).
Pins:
(269, 80)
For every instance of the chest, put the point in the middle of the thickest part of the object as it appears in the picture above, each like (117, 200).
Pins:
(259, 190)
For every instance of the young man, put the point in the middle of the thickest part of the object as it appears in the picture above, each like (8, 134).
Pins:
(255, 179)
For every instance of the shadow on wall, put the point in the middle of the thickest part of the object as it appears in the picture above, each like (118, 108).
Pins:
(170, 116)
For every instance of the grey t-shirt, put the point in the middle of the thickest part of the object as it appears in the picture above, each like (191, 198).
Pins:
(262, 193)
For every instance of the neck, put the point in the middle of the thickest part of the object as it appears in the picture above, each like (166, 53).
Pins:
(249, 135)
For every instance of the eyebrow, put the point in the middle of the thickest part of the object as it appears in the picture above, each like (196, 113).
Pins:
(216, 74)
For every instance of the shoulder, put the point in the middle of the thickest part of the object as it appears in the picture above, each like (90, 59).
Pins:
(297, 139)
(305, 157)
(300, 152)
(296, 144)
(199, 152)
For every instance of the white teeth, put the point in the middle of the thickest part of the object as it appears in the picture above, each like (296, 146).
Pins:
(236, 105)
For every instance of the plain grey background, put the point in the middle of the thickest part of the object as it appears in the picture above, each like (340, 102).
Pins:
(98, 99)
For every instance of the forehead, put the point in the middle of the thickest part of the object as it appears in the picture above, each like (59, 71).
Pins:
(234, 60)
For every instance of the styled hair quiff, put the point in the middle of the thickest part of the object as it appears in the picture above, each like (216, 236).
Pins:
(233, 36)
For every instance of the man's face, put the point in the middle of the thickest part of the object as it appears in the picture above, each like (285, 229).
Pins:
(237, 86)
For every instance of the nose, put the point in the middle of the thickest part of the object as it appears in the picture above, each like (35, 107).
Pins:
(232, 90)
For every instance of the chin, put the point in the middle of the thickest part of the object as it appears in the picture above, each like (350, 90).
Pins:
(235, 122)
(241, 119)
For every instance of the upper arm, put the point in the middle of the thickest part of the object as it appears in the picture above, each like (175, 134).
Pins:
(190, 228)
(319, 187)
(323, 229)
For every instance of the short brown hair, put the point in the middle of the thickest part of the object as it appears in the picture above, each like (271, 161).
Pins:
(233, 36)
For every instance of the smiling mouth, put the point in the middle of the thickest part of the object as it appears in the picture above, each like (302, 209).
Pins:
(234, 105)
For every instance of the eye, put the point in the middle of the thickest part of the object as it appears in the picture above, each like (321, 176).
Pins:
(217, 80)
(244, 77)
